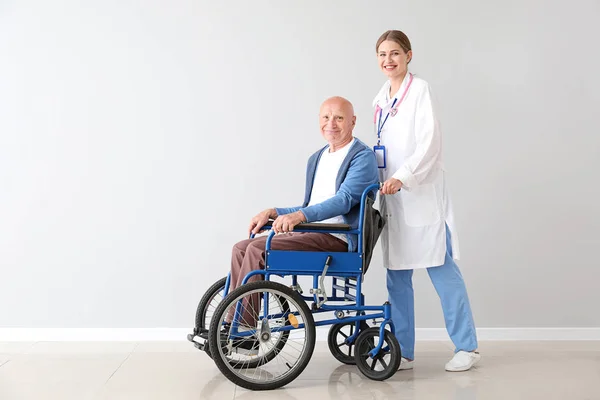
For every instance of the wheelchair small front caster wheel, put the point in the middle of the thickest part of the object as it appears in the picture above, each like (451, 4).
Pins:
(382, 365)
(338, 340)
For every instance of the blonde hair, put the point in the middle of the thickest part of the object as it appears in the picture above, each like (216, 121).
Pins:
(395, 36)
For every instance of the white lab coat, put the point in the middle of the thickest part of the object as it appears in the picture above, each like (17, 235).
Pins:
(415, 233)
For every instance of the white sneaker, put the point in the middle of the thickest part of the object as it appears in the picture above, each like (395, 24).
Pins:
(405, 363)
(463, 361)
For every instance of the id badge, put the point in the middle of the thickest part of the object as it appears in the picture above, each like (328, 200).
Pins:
(380, 153)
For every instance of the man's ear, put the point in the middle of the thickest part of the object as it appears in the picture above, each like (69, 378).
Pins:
(354, 121)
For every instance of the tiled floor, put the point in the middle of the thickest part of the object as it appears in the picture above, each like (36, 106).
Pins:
(176, 370)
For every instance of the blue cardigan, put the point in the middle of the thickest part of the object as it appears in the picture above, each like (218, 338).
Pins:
(357, 172)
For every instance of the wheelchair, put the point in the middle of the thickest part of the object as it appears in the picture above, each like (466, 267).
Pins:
(262, 335)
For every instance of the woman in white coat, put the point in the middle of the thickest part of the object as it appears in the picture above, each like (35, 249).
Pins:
(420, 230)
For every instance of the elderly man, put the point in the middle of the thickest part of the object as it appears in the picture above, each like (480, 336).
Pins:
(336, 177)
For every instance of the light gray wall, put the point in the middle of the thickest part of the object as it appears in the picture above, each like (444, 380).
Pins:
(137, 138)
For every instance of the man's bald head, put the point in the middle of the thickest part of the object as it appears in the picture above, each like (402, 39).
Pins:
(339, 102)
(337, 120)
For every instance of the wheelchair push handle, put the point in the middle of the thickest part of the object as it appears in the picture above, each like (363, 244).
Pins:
(380, 185)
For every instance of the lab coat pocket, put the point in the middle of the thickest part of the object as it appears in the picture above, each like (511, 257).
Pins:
(420, 206)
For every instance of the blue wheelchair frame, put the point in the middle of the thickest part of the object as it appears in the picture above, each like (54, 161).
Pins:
(345, 266)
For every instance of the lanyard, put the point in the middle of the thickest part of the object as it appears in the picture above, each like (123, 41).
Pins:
(393, 110)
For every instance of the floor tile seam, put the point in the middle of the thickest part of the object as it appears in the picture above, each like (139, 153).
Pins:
(122, 363)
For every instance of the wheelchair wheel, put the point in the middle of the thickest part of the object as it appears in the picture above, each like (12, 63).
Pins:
(206, 308)
(385, 363)
(337, 341)
(278, 341)
(208, 304)
(275, 365)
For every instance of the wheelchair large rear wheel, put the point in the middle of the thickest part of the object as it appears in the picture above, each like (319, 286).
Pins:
(208, 304)
(275, 365)
(206, 309)
(278, 341)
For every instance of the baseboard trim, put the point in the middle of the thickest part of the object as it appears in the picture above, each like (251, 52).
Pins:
(506, 334)
(178, 334)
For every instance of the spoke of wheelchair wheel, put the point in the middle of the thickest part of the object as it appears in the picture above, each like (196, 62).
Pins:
(238, 362)
(373, 364)
(277, 358)
(299, 351)
(296, 343)
(252, 312)
(255, 371)
(382, 361)
(367, 351)
(283, 362)
(210, 309)
(285, 357)
(282, 356)
(210, 303)
(371, 345)
(243, 358)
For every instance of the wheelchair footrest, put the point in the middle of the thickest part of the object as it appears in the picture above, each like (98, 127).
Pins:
(201, 344)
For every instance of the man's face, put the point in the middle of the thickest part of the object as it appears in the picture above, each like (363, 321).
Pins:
(337, 121)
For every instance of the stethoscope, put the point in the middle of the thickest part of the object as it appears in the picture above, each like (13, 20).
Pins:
(392, 111)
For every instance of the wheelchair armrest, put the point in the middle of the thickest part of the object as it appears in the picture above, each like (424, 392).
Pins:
(314, 226)
(322, 227)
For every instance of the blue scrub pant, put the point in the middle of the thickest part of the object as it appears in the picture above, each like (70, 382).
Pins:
(450, 286)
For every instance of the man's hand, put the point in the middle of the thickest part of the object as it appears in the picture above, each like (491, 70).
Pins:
(391, 186)
(260, 220)
(287, 222)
